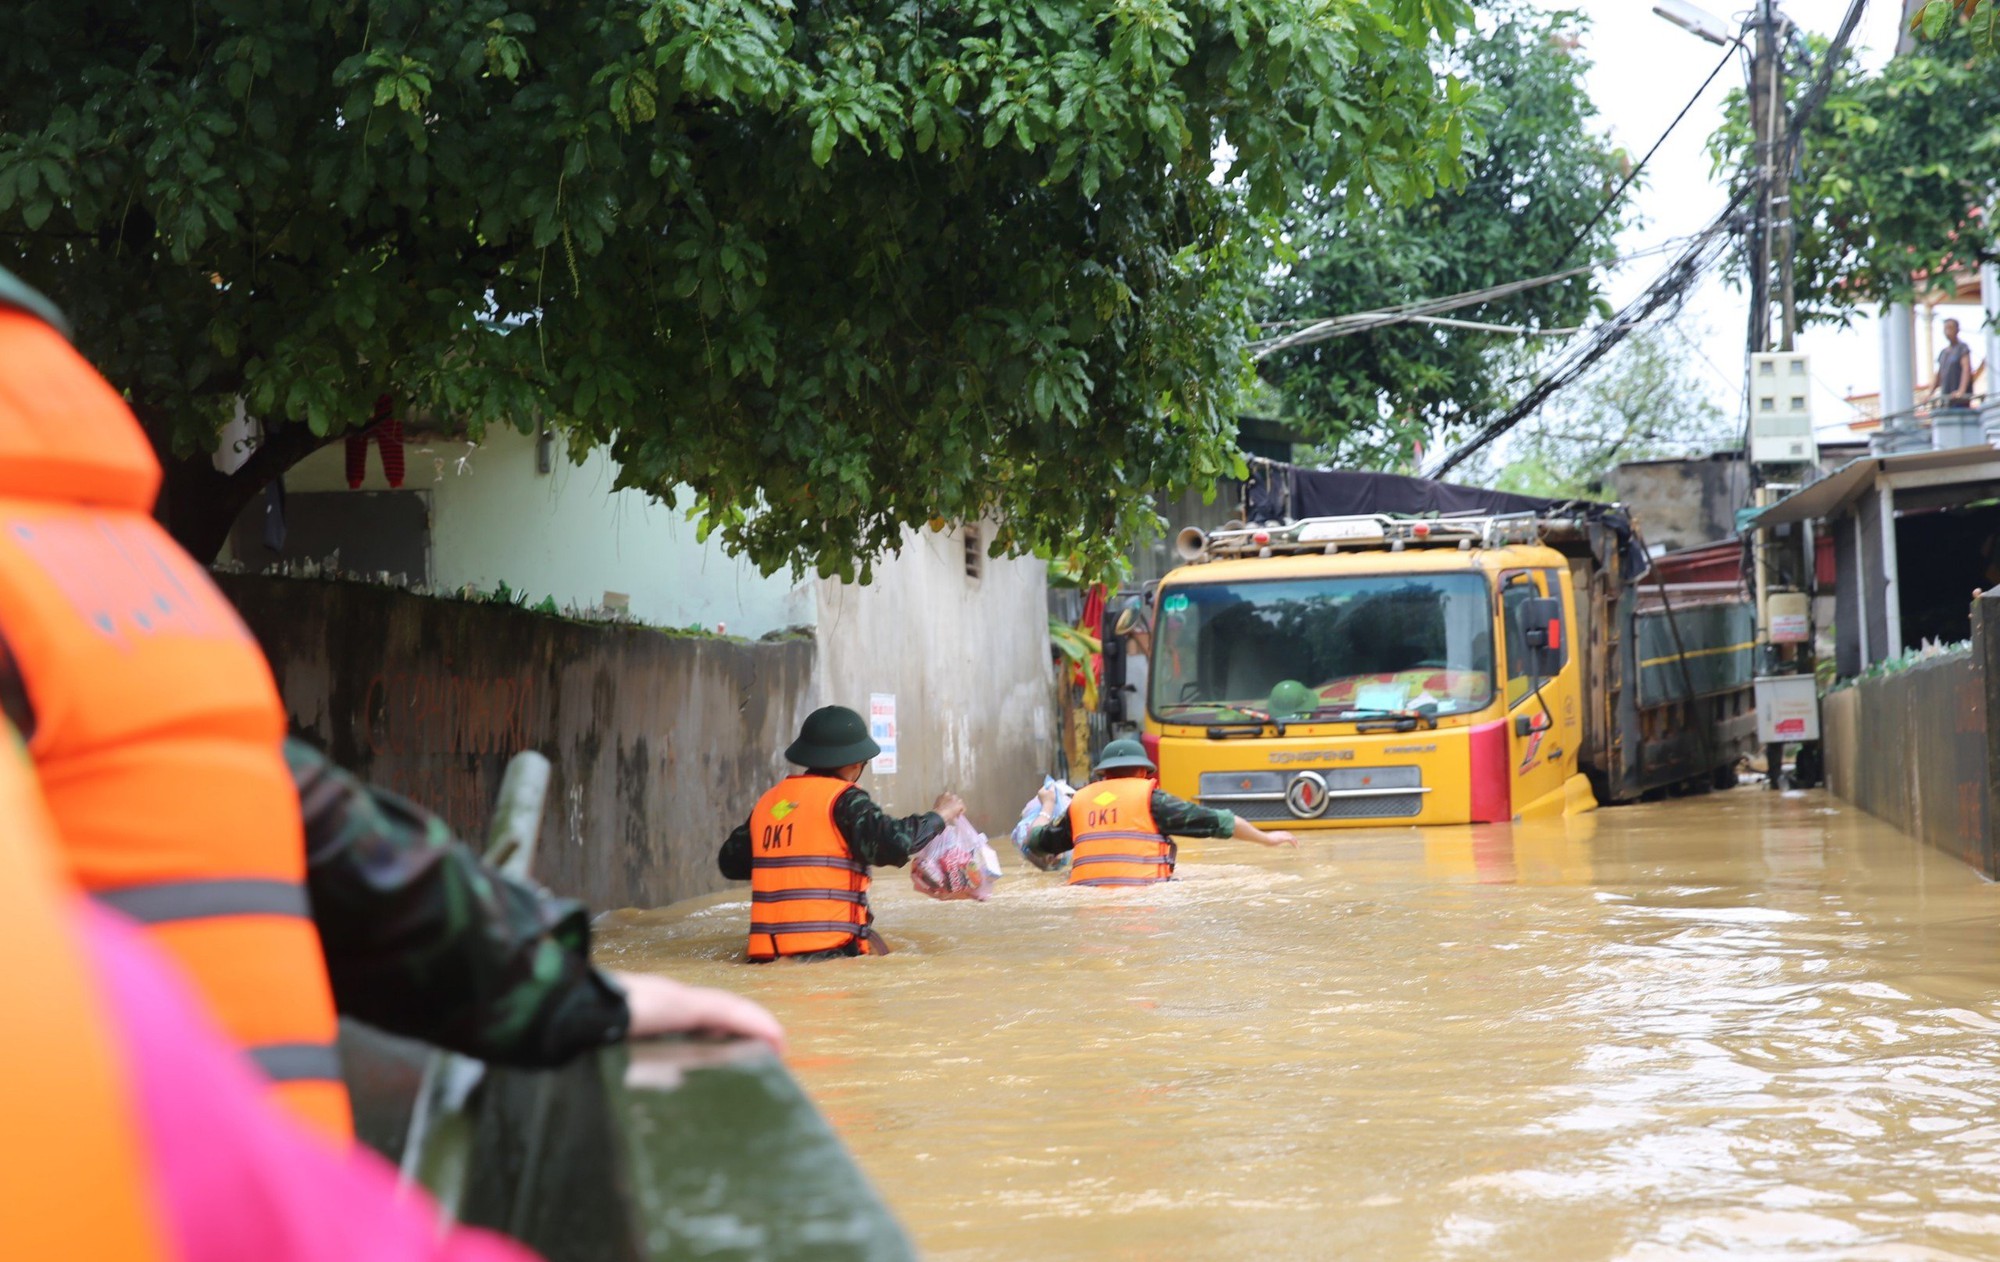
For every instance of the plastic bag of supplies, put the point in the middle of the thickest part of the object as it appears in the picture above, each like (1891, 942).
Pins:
(957, 863)
(1046, 862)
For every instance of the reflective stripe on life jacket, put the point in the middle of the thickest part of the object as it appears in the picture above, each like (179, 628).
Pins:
(158, 728)
(74, 1177)
(807, 891)
(1116, 840)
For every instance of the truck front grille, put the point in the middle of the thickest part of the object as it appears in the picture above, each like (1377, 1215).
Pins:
(1355, 793)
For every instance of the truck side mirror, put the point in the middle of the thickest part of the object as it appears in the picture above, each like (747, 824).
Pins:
(1541, 632)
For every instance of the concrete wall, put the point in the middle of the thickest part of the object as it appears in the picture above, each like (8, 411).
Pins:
(567, 534)
(967, 660)
(1912, 749)
(1681, 503)
(660, 743)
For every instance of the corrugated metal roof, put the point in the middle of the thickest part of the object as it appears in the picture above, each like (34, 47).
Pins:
(1857, 478)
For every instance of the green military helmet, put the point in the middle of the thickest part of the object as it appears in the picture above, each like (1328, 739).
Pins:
(1292, 697)
(1122, 753)
(832, 736)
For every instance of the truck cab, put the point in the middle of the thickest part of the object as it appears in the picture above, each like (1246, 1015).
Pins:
(1351, 672)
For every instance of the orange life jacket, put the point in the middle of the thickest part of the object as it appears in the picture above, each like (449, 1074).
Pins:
(807, 891)
(1117, 842)
(73, 1167)
(158, 728)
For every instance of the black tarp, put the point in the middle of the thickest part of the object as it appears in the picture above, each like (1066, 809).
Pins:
(1286, 492)
(1277, 492)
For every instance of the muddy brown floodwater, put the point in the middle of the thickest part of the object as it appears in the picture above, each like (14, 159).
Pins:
(1749, 1025)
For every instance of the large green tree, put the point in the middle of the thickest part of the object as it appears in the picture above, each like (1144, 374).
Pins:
(837, 268)
(1539, 176)
(1643, 403)
(1898, 177)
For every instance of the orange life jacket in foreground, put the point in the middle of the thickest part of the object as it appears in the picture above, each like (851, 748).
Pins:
(1117, 842)
(808, 893)
(74, 1166)
(158, 728)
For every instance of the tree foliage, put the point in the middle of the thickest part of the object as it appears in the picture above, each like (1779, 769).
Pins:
(839, 269)
(1981, 18)
(1643, 404)
(1538, 176)
(1898, 177)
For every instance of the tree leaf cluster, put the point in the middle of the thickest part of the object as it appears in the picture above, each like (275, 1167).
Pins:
(1536, 176)
(836, 269)
(1642, 404)
(1898, 174)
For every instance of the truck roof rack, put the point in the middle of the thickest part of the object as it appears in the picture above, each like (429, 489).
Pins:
(1379, 530)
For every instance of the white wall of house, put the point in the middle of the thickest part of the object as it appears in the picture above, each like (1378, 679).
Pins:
(568, 534)
(968, 662)
(966, 656)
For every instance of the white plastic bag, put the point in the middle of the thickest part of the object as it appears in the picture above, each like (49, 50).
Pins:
(957, 863)
(1046, 862)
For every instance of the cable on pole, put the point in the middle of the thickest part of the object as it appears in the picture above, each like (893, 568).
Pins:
(1633, 175)
(1667, 290)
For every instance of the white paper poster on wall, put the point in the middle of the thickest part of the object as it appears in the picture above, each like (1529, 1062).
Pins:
(882, 726)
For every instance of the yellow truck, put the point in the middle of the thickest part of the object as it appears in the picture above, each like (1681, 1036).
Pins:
(1371, 670)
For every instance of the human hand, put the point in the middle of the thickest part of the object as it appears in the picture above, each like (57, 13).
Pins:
(1281, 838)
(1047, 797)
(661, 1005)
(948, 806)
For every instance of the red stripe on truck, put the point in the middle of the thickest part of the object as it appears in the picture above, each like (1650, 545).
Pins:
(1489, 775)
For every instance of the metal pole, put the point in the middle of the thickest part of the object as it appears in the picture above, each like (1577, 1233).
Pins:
(1861, 588)
(1989, 299)
(1891, 593)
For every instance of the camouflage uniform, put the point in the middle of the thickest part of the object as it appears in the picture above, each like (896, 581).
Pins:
(424, 941)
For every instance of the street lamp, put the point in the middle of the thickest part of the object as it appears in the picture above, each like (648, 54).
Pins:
(1696, 21)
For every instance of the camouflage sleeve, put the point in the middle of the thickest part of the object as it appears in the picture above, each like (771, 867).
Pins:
(877, 838)
(1178, 818)
(425, 941)
(1053, 837)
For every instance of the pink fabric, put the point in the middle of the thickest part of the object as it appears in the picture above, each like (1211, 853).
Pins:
(240, 1182)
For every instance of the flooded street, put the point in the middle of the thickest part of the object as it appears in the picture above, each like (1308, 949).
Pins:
(1749, 1025)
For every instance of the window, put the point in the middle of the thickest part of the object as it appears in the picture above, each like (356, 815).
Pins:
(975, 554)
(1331, 649)
(1517, 589)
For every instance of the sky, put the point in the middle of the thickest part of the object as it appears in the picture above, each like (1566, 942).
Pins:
(1643, 71)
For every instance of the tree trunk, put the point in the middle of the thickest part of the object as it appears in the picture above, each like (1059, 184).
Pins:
(198, 504)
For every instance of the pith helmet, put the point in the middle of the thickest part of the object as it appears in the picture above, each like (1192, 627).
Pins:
(832, 736)
(1121, 753)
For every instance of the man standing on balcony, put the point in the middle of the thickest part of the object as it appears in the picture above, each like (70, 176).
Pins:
(1954, 370)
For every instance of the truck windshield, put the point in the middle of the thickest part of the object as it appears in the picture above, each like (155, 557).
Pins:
(1301, 649)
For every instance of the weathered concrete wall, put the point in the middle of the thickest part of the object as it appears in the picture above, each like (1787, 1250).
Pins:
(660, 743)
(1911, 748)
(1682, 503)
(968, 662)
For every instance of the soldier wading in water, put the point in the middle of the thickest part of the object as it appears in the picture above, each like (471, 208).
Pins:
(810, 841)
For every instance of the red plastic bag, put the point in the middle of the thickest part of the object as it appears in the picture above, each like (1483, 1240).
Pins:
(957, 863)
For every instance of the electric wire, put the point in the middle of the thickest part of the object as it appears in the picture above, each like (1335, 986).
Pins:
(1669, 288)
(1355, 322)
(1633, 175)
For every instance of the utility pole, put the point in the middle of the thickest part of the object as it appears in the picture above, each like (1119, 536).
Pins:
(1770, 119)
(1771, 287)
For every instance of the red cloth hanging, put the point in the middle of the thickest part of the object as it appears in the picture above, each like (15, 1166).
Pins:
(1092, 624)
(387, 431)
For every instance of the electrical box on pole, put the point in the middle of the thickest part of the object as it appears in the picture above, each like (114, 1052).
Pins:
(1781, 427)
